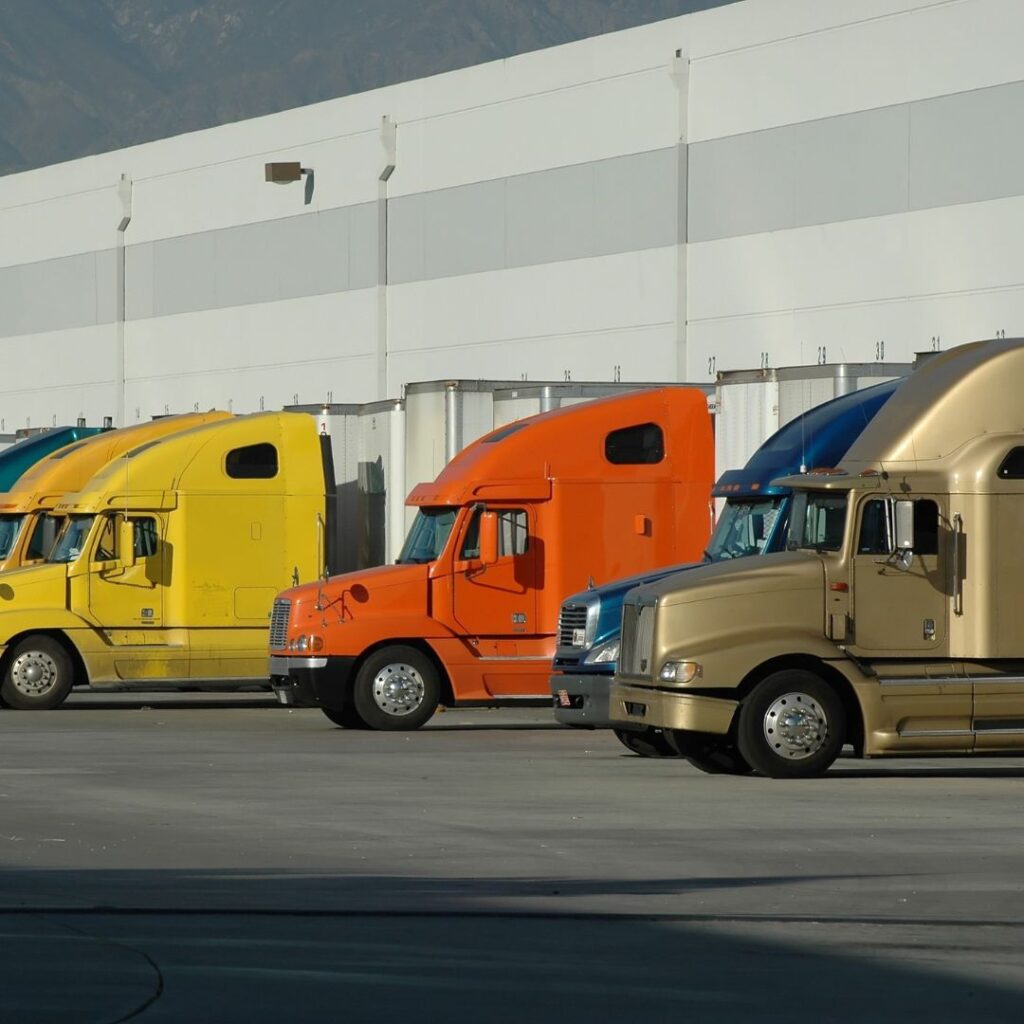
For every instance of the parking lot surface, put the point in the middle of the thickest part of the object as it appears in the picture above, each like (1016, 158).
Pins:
(172, 857)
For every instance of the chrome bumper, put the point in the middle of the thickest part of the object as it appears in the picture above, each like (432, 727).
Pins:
(282, 666)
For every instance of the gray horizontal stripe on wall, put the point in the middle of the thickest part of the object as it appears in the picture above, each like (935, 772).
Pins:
(962, 148)
(58, 294)
(310, 254)
(622, 204)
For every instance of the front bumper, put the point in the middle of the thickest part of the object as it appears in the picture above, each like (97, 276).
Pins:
(324, 682)
(582, 700)
(645, 706)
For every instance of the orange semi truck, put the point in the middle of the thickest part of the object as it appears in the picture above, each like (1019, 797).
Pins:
(525, 515)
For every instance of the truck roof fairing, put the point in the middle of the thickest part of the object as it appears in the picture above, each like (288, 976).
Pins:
(522, 457)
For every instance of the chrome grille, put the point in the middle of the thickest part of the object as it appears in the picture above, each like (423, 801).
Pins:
(637, 639)
(570, 618)
(279, 625)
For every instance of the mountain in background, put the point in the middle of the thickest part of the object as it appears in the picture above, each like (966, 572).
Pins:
(86, 76)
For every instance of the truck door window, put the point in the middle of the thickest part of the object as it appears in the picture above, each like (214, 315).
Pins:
(874, 536)
(513, 534)
(254, 462)
(874, 529)
(106, 545)
(642, 445)
(926, 527)
(513, 537)
(144, 537)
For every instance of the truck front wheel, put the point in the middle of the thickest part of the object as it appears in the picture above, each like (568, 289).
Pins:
(38, 675)
(791, 726)
(396, 688)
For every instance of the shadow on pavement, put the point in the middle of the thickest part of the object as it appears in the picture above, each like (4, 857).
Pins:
(455, 949)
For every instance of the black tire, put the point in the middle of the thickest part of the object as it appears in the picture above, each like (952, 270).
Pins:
(805, 745)
(347, 717)
(647, 742)
(38, 675)
(713, 754)
(396, 688)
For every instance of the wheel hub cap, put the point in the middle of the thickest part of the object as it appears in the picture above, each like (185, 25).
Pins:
(795, 726)
(34, 673)
(398, 689)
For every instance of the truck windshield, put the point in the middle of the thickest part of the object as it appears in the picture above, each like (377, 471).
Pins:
(428, 535)
(819, 519)
(72, 539)
(10, 527)
(744, 528)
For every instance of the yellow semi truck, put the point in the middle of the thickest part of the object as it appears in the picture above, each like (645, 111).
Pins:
(29, 522)
(168, 562)
(893, 622)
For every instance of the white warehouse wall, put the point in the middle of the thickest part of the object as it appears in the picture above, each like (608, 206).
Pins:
(774, 182)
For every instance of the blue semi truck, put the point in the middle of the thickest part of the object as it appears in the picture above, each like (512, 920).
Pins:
(754, 521)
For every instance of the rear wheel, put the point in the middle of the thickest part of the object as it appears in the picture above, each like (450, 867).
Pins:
(38, 676)
(716, 755)
(347, 717)
(396, 688)
(647, 742)
(792, 726)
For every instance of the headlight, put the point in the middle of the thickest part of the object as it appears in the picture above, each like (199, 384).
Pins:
(603, 653)
(310, 642)
(680, 671)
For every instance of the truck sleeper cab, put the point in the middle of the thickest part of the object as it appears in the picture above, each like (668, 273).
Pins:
(518, 519)
(167, 564)
(754, 521)
(890, 625)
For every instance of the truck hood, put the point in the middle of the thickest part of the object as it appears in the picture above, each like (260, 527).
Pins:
(368, 591)
(35, 586)
(784, 571)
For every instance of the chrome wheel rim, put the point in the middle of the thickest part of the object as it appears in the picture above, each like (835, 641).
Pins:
(795, 726)
(398, 689)
(34, 673)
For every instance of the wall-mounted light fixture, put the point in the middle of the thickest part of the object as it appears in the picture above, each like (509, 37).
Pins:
(286, 172)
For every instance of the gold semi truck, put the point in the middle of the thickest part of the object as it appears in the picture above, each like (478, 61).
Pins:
(29, 522)
(893, 621)
(168, 561)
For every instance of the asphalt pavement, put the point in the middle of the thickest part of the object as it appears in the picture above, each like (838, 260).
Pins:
(192, 857)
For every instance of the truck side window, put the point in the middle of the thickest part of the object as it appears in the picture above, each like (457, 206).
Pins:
(642, 445)
(513, 536)
(926, 528)
(106, 546)
(253, 462)
(471, 540)
(144, 537)
(873, 539)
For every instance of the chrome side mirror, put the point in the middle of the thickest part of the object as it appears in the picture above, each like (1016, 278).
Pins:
(903, 519)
